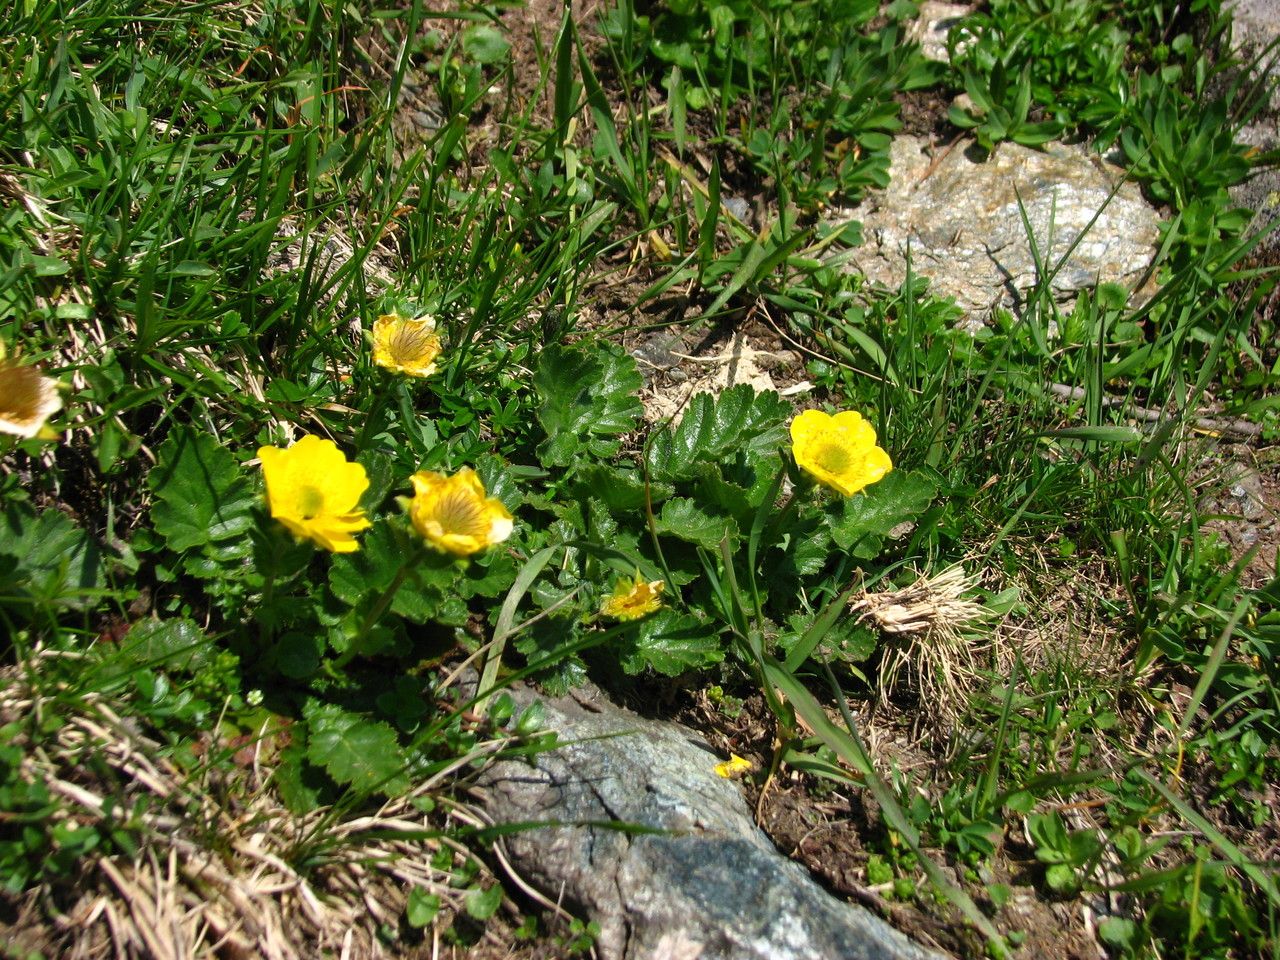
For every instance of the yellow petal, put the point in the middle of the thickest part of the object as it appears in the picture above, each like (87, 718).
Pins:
(633, 598)
(314, 492)
(454, 514)
(734, 767)
(27, 399)
(838, 451)
(406, 345)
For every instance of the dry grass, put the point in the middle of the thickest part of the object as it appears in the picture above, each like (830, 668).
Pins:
(931, 641)
(210, 880)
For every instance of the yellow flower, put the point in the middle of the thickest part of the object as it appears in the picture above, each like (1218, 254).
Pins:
(406, 345)
(734, 767)
(455, 515)
(27, 399)
(633, 598)
(315, 492)
(839, 452)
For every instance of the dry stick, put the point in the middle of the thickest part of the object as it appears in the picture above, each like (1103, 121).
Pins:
(937, 160)
(1228, 425)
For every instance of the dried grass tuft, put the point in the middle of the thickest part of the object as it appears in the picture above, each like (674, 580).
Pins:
(929, 627)
(209, 878)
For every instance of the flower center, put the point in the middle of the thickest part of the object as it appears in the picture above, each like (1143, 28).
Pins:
(310, 501)
(412, 341)
(833, 458)
(461, 514)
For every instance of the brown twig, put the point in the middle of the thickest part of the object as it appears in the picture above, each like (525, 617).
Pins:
(1232, 426)
(937, 160)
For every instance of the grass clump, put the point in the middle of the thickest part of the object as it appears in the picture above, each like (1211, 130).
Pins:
(346, 435)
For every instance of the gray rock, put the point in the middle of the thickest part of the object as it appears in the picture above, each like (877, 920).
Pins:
(965, 232)
(1245, 489)
(933, 24)
(710, 885)
(1255, 26)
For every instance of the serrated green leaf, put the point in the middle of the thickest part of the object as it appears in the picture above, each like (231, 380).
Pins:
(672, 643)
(167, 644)
(714, 489)
(201, 496)
(738, 422)
(541, 643)
(619, 489)
(586, 399)
(357, 752)
(605, 529)
(488, 575)
(298, 654)
(353, 577)
(809, 546)
(683, 518)
(299, 784)
(382, 473)
(54, 561)
(868, 516)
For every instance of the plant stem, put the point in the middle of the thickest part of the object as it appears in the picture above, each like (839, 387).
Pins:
(377, 610)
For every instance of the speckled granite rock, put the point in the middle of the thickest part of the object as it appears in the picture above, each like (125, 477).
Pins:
(709, 885)
(961, 219)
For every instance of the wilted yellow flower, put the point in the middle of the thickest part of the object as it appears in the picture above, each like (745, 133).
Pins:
(315, 492)
(27, 399)
(407, 345)
(839, 452)
(734, 767)
(633, 598)
(455, 515)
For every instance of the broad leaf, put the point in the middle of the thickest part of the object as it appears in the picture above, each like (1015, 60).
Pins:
(177, 644)
(586, 400)
(53, 560)
(739, 421)
(357, 752)
(672, 643)
(353, 577)
(201, 496)
(868, 516)
(683, 518)
(618, 488)
(301, 786)
(542, 642)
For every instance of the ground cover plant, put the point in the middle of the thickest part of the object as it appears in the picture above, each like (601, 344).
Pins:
(322, 420)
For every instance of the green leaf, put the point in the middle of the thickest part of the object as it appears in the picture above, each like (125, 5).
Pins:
(357, 752)
(542, 642)
(618, 488)
(54, 561)
(421, 908)
(739, 421)
(1061, 878)
(672, 643)
(298, 654)
(299, 784)
(201, 496)
(485, 44)
(382, 473)
(868, 516)
(586, 399)
(354, 577)
(808, 548)
(168, 644)
(482, 904)
(683, 518)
